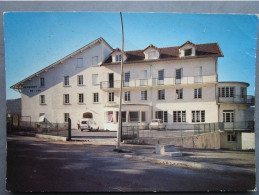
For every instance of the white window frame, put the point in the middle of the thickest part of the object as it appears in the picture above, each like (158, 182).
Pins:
(80, 62)
(127, 96)
(231, 137)
(144, 95)
(129, 118)
(228, 116)
(118, 58)
(80, 98)
(188, 49)
(66, 117)
(80, 80)
(161, 94)
(164, 115)
(95, 97)
(42, 82)
(111, 97)
(197, 93)
(179, 94)
(198, 116)
(151, 55)
(42, 99)
(66, 81)
(143, 112)
(179, 116)
(66, 99)
(226, 92)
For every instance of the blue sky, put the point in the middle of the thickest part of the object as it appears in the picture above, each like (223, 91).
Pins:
(37, 39)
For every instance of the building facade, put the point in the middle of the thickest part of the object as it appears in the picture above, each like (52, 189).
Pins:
(176, 84)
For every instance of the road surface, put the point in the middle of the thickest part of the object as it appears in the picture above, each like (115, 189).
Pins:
(41, 165)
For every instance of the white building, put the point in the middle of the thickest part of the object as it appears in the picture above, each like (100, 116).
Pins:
(177, 84)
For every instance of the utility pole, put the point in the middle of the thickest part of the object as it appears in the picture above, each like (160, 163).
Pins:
(119, 133)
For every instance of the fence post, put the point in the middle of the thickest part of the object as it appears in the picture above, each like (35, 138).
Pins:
(69, 130)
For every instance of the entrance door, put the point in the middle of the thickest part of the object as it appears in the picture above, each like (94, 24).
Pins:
(111, 80)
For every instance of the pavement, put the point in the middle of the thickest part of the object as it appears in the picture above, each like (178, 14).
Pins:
(200, 159)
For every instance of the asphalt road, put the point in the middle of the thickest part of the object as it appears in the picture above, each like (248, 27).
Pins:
(42, 165)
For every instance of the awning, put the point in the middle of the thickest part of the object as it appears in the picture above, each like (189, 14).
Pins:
(42, 118)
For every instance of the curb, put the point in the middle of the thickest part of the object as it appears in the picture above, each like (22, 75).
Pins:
(53, 137)
(189, 164)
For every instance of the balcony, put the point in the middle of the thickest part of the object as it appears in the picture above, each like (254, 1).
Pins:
(241, 126)
(237, 99)
(155, 82)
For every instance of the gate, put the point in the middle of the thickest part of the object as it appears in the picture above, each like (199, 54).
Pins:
(130, 132)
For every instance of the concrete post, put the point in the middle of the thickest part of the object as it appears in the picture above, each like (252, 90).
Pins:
(69, 130)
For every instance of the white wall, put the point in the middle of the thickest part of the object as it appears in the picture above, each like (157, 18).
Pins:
(248, 141)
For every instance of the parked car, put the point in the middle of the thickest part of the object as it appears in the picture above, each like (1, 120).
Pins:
(87, 124)
(157, 124)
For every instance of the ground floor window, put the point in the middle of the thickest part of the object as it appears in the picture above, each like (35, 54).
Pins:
(123, 116)
(162, 115)
(228, 116)
(133, 117)
(110, 116)
(179, 116)
(66, 116)
(143, 116)
(111, 96)
(232, 137)
(198, 116)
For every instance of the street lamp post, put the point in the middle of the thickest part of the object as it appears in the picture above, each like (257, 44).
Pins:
(119, 133)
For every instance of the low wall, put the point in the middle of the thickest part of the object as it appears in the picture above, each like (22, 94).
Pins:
(206, 141)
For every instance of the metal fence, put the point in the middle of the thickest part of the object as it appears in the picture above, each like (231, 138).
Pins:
(58, 129)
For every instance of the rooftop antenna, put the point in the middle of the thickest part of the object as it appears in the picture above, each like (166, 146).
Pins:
(119, 133)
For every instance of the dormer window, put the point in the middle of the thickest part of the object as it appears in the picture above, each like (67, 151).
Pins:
(188, 52)
(118, 58)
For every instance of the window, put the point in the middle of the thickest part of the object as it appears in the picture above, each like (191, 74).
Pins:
(197, 93)
(110, 116)
(198, 116)
(80, 98)
(66, 98)
(232, 137)
(151, 54)
(42, 99)
(179, 93)
(95, 60)
(66, 81)
(188, 52)
(133, 117)
(162, 115)
(127, 77)
(111, 96)
(79, 62)
(118, 58)
(96, 97)
(123, 116)
(66, 116)
(226, 92)
(143, 116)
(228, 116)
(143, 95)
(178, 75)
(80, 79)
(42, 82)
(95, 79)
(160, 77)
(161, 94)
(179, 116)
(127, 96)
(243, 92)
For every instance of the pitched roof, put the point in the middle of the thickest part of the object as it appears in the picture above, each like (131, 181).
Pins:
(187, 42)
(171, 53)
(151, 46)
(18, 85)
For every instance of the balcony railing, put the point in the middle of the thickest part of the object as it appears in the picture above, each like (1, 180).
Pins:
(244, 99)
(244, 125)
(151, 82)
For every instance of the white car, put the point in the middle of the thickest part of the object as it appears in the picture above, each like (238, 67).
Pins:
(87, 124)
(157, 124)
